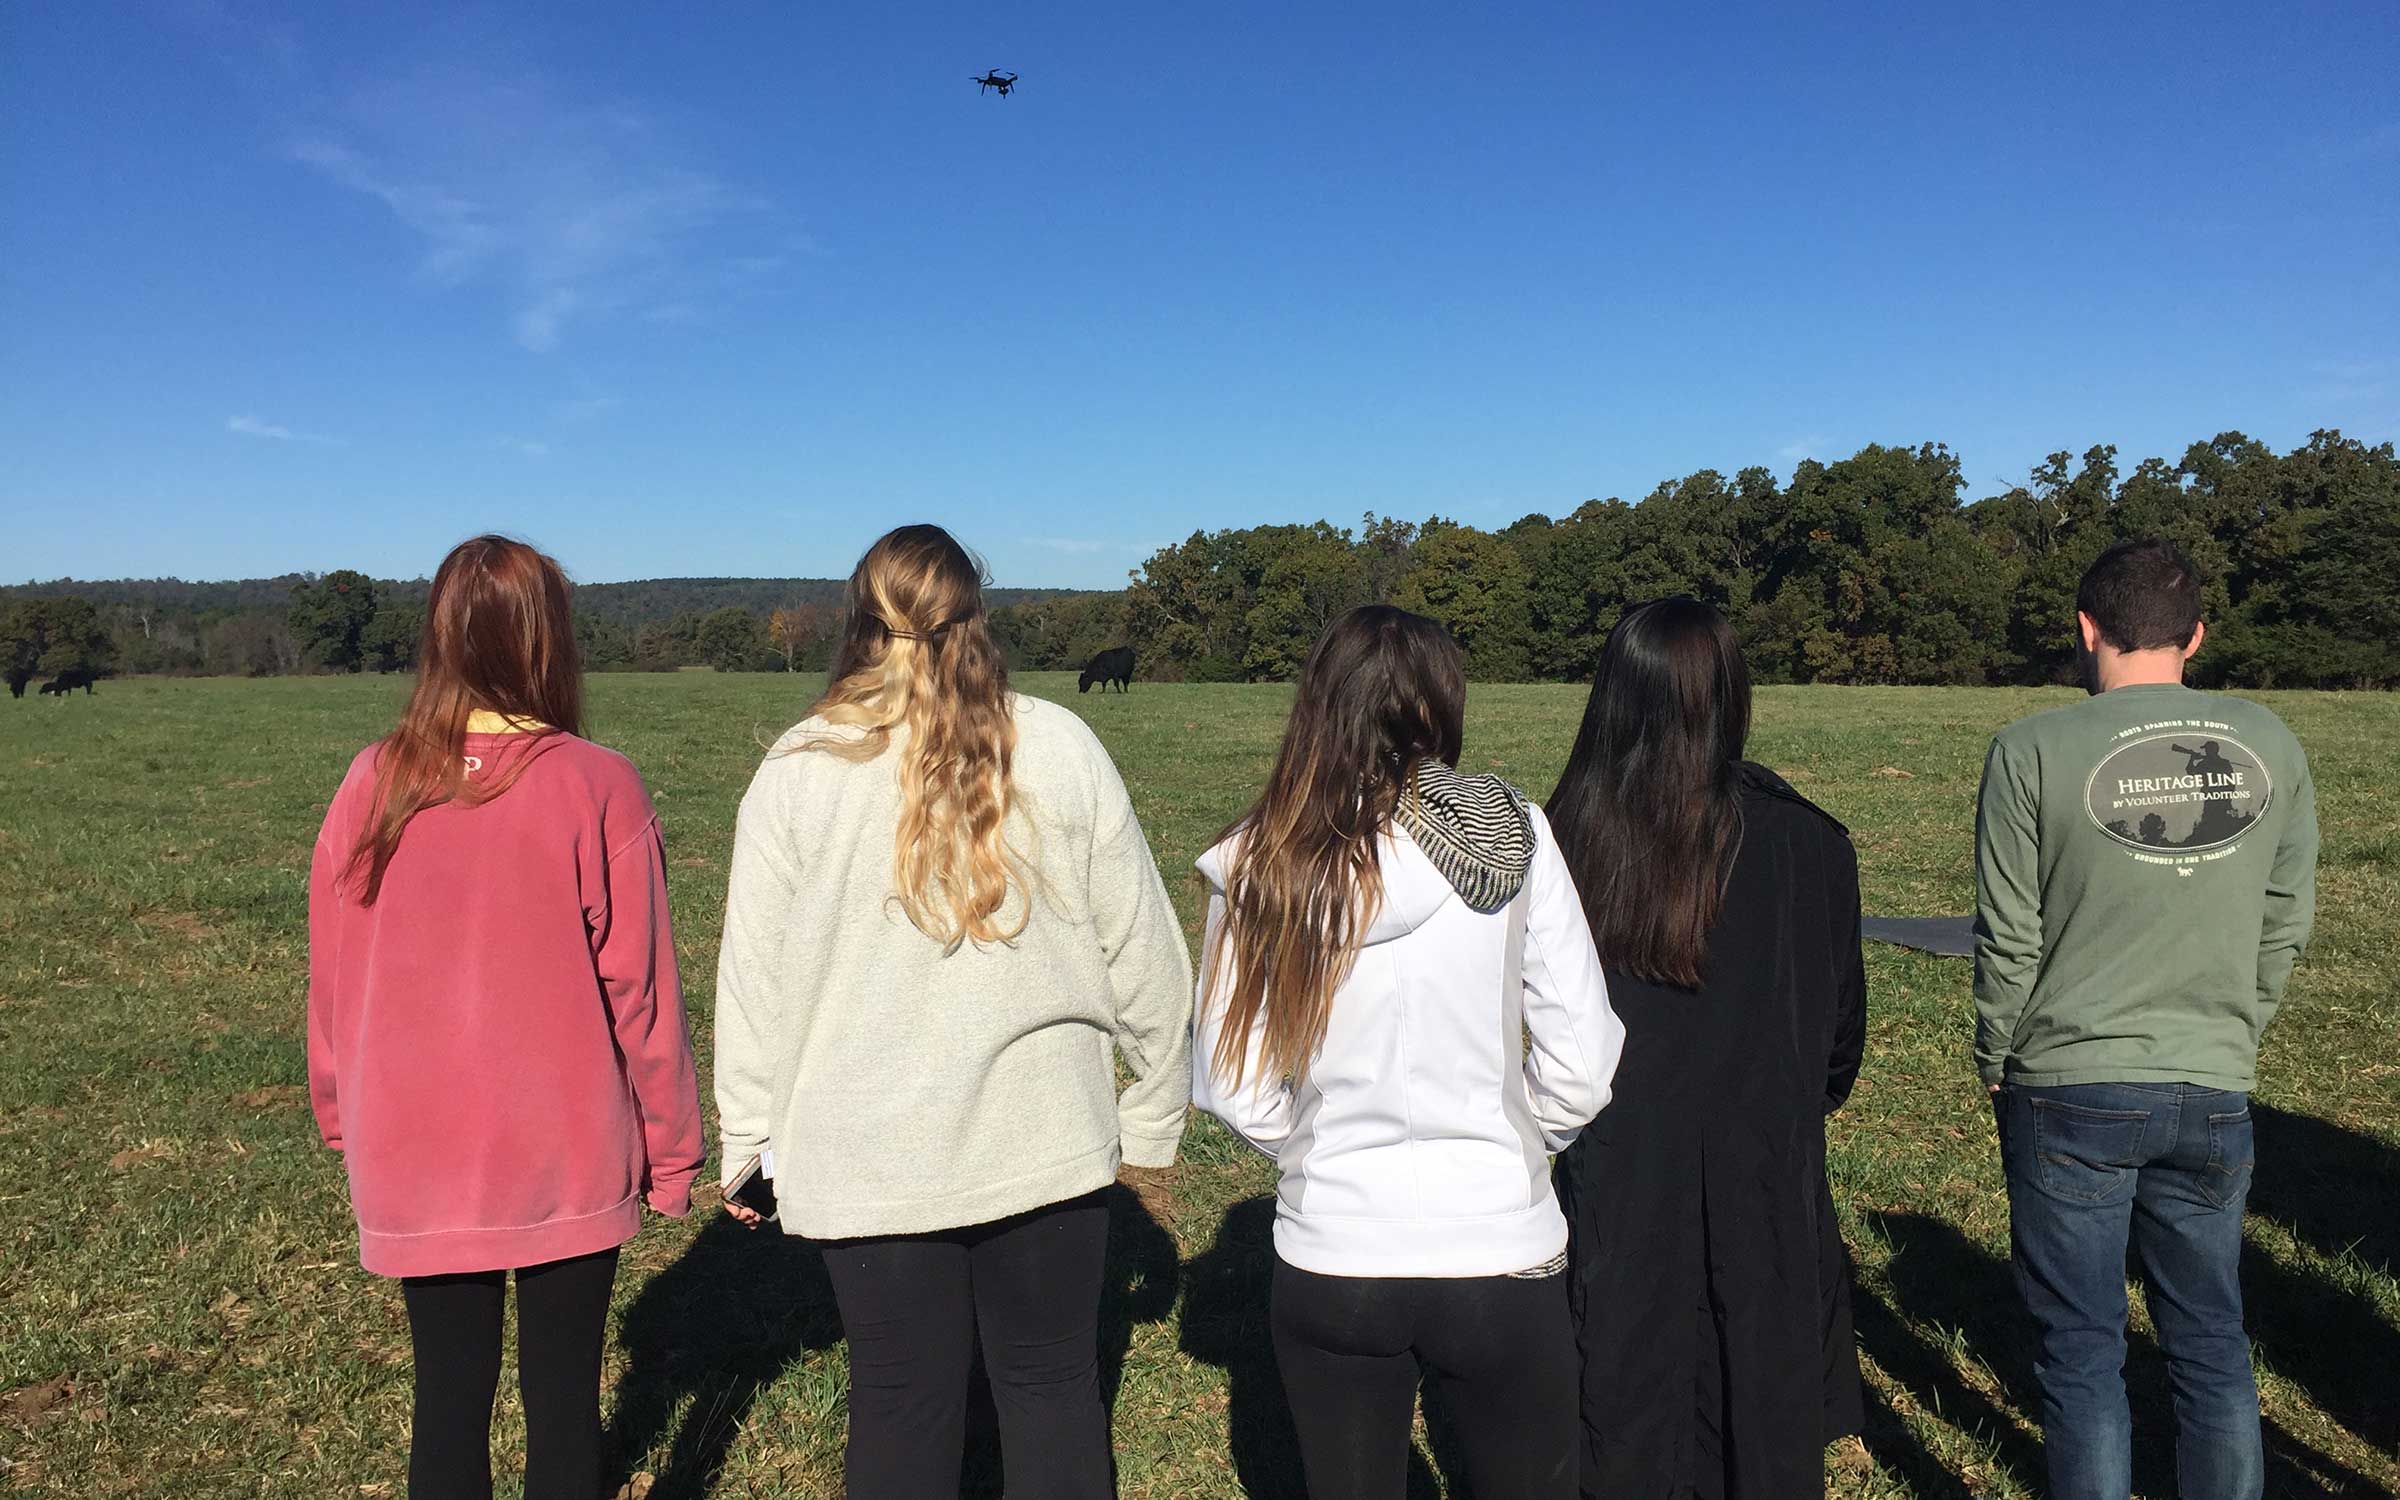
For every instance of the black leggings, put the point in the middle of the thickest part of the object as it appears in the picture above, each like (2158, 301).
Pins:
(454, 1321)
(1498, 1352)
(912, 1308)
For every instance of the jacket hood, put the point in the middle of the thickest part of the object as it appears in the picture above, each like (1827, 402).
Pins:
(1453, 835)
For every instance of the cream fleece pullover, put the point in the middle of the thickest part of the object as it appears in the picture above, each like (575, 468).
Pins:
(905, 1089)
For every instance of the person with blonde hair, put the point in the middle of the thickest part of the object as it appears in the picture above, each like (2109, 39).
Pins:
(1403, 1007)
(944, 927)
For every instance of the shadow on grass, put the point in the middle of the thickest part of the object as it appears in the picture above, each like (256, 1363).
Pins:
(1898, 1453)
(738, 1309)
(1942, 1279)
(720, 1325)
(1225, 1304)
(2338, 1192)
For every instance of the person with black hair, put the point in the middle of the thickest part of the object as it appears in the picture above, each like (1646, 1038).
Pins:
(1706, 1273)
(2145, 868)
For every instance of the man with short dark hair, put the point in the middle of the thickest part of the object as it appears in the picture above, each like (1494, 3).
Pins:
(2145, 875)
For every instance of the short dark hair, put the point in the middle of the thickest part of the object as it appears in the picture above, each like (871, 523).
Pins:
(2144, 595)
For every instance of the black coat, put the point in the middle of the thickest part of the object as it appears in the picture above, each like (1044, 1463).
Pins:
(1710, 1289)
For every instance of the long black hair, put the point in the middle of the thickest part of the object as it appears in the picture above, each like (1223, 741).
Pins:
(1648, 811)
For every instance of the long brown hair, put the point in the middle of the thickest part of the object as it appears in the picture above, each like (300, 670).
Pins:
(917, 653)
(1648, 811)
(499, 635)
(1381, 691)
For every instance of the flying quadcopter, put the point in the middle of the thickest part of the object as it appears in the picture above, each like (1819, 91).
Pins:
(996, 79)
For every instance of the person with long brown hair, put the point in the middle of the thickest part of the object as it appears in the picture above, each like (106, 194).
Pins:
(944, 928)
(496, 1038)
(1710, 1290)
(1402, 1006)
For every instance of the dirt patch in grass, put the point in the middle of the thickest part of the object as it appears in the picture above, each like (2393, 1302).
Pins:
(34, 1403)
(188, 925)
(143, 1154)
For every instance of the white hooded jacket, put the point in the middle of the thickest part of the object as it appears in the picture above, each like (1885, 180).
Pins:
(1418, 1143)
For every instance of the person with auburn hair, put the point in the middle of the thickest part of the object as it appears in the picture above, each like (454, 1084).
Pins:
(1710, 1290)
(496, 1037)
(1401, 1005)
(943, 928)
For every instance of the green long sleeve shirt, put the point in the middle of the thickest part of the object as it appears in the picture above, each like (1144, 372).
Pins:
(2145, 878)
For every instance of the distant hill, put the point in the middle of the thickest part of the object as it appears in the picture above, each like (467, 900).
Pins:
(182, 595)
(637, 603)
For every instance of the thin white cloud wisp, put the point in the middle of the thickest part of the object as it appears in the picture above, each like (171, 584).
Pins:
(573, 210)
(249, 426)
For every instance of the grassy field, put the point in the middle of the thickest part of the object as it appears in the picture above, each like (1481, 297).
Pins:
(181, 1310)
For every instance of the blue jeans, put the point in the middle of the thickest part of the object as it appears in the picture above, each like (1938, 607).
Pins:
(2167, 1166)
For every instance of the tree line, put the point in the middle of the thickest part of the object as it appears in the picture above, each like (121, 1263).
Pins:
(1870, 569)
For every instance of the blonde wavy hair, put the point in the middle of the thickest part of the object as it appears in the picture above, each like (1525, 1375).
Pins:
(917, 653)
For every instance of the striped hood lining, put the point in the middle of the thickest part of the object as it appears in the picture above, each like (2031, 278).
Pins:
(1477, 831)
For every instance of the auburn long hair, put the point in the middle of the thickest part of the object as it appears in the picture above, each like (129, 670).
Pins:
(917, 654)
(1648, 811)
(499, 635)
(1381, 691)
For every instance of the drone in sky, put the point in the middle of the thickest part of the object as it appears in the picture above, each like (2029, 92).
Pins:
(996, 79)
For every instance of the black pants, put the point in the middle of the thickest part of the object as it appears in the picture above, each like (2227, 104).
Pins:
(454, 1321)
(912, 1308)
(1497, 1351)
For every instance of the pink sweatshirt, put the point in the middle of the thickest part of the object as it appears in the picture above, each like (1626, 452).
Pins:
(497, 1045)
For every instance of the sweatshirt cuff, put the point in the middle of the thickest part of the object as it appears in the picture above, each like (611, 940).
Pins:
(670, 1193)
(734, 1153)
(1144, 1150)
(672, 1199)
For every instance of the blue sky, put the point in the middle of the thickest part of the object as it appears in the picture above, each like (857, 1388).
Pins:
(731, 288)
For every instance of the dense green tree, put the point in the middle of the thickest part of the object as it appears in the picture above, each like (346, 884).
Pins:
(1314, 575)
(606, 643)
(1384, 546)
(1575, 587)
(44, 637)
(2333, 613)
(389, 643)
(734, 640)
(1474, 583)
(330, 615)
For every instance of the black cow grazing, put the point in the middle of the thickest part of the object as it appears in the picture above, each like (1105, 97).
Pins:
(1113, 665)
(71, 679)
(17, 678)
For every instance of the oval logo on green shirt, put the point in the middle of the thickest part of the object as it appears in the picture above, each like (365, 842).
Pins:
(2179, 791)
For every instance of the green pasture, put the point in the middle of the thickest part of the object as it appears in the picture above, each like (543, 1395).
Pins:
(182, 1313)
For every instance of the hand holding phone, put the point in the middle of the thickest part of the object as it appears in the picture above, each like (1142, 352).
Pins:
(750, 1196)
